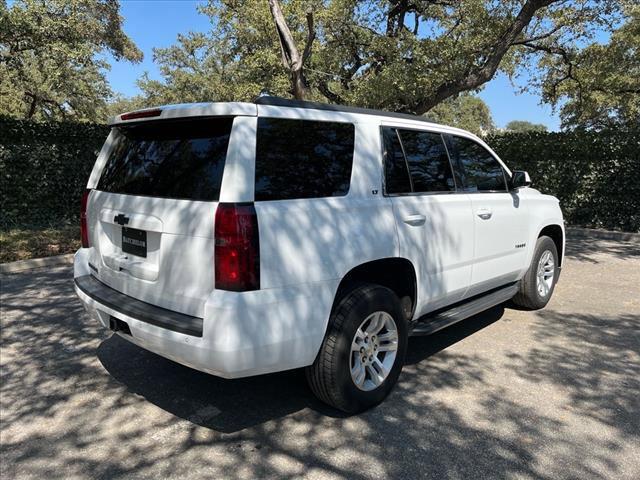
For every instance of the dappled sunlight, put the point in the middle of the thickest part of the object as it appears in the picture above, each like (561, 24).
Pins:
(595, 251)
(595, 358)
(504, 394)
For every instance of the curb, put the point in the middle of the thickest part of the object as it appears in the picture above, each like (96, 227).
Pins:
(22, 265)
(580, 232)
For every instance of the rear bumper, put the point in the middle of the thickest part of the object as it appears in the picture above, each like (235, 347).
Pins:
(131, 307)
(241, 334)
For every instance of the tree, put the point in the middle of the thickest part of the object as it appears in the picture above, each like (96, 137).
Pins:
(120, 104)
(524, 126)
(598, 86)
(49, 57)
(394, 54)
(465, 111)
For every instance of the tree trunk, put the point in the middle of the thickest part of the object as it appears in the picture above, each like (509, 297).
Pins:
(291, 58)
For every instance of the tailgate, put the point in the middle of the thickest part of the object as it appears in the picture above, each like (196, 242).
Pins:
(151, 215)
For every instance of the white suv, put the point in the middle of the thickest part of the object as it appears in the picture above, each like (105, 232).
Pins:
(246, 238)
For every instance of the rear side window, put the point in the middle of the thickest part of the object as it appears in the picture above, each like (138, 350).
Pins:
(428, 161)
(169, 159)
(481, 171)
(302, 159)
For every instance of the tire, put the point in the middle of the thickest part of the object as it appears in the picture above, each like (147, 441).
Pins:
(529, 295)
(330, 376)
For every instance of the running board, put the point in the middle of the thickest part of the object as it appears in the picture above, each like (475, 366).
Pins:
(433, 322)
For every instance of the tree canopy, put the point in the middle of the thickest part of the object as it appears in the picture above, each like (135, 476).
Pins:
(599, 85)
(525, 126)
(396, 54)
(418, 56)
(465, 111)
(51, 57)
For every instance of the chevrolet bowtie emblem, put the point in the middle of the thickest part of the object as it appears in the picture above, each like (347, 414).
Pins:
(121, 219)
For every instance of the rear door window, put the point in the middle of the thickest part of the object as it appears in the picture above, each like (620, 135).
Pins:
(302, 159)
(182, 159)
(428, 161)
(480, 170)
(416, 162)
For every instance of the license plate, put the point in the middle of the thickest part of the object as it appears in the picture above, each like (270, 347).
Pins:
(134, 241)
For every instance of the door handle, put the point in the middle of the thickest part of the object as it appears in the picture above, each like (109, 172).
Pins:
(484, 213)
(415, 220)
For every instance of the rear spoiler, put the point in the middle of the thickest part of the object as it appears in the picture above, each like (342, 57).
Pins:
(186, 110)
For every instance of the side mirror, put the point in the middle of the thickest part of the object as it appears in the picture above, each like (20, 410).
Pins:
(520, 179)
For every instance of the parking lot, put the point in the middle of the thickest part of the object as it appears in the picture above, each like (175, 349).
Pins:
(506, 394)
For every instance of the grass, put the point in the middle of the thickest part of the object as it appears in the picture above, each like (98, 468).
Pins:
(33, 242)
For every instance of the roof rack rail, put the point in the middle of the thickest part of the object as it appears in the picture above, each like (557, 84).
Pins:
(285, 102)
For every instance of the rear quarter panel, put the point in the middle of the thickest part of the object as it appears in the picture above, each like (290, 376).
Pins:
(313, 240)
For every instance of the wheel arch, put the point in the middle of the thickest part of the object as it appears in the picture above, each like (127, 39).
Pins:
(556, 233)
(396, 273)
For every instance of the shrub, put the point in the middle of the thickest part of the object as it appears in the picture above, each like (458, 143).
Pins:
(593, 174)
(44, 168)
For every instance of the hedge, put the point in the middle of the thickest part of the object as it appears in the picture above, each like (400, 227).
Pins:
(44, 168)
(595, 175)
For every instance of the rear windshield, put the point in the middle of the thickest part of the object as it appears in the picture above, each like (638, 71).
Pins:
(170, 159)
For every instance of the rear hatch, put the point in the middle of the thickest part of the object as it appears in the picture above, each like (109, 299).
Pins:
(151, 214)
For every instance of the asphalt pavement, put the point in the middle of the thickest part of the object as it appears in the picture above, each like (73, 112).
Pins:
(507, 394)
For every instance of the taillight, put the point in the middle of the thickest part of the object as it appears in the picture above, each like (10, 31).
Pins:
(84, 229)
(237, 249)
(141, 114)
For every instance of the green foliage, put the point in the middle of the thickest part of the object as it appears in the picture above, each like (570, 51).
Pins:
(233, 62)
(50, 57)
(594, 174)
(519, 126)
(600, 85)
(465, 111)
(121, 104)
(392, 54)
(44, 168)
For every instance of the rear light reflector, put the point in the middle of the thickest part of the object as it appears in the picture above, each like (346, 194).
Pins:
(84, 229)
(142, 114)
(237, 248)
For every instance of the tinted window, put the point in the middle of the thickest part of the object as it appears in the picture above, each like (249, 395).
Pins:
(395, 166)
(428, 161)
(171, 159)
(482, 172)
(303, 159)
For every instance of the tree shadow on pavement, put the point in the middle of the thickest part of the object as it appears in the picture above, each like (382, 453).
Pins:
(448, 417)
(594, 358)
(594, 250)
(403, 436)
(232, 405)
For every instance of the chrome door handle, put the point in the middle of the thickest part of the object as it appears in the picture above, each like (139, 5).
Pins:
(484, 213)
(415, 220)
